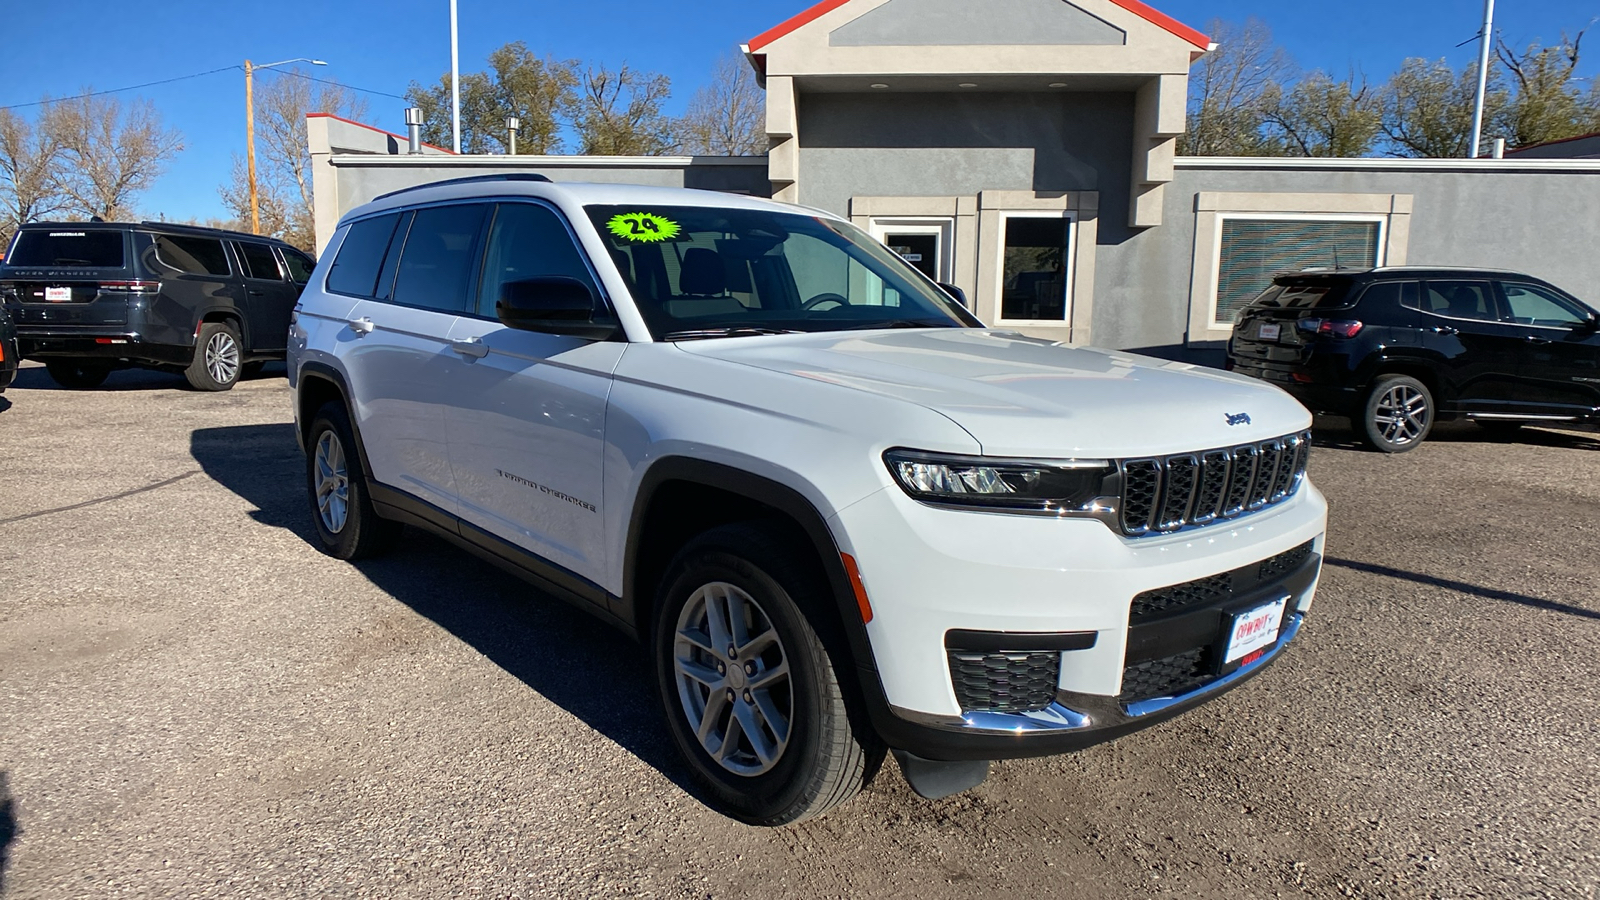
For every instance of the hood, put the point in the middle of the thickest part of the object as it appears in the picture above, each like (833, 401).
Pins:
(1022, 396)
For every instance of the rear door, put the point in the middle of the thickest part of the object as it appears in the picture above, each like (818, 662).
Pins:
(1477, 353)
(196, 278)
(398, 356)
(528, 411)
(269, 296)
(1560, 364)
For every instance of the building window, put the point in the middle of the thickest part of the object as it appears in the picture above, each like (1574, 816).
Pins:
(924, 243)
(1036, 267)
(1252, 249)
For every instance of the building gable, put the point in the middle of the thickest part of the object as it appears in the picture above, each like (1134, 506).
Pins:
(921, 23)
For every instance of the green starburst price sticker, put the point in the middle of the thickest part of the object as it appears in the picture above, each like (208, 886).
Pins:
(643, 227)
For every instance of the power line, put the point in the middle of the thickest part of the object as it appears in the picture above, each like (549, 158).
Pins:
(119, 90)
(351, 87)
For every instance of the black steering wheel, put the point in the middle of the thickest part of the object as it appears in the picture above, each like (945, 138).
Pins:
(827, 297)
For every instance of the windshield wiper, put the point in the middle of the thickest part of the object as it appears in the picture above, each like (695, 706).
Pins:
(730, 331)
(900, 323)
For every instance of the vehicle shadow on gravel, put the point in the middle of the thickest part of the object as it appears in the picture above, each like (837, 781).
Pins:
(565, 655)
(1464, 588)
(4, 403)
(35, 378)
(1339, 434)
(8, 827)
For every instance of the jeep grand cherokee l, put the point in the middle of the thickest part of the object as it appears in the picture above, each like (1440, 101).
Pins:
(91, 297)
(840, 514)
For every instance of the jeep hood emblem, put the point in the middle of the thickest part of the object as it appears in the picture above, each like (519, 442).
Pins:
(1238, 418)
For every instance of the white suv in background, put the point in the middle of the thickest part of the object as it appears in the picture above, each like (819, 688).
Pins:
(840, 514)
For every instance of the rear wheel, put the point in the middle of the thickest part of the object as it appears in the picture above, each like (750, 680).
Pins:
(78, 376)
(218, 358)
(341, 510)
(751, 694)
(1398, 414)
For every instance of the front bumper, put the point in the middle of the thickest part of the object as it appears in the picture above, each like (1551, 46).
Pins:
(929, 572)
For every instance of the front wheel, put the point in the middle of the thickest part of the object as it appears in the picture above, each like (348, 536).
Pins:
(1398, 414)
(341, 511)
(751, 694)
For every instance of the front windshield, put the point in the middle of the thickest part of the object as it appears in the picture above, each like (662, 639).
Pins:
(699, 271)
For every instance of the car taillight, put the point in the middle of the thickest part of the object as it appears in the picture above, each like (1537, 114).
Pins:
(133, 287)
(1341, 328)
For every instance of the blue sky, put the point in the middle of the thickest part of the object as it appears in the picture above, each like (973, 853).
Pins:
(61, 46)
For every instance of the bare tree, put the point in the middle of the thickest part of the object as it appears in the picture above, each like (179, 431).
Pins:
(283, 172)
(1229, 89)
(110, 154)
(727, 116)
(1322, 117)
(30, 172)
(1427, 108)
(539, 92)
(619, 113)
(1548, 105)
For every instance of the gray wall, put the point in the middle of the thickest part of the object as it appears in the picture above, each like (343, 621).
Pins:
(1543, 223)
(946, 145)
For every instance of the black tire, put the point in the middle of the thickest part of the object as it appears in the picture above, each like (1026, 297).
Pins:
(363, 533)
(1398, 415)
(252, 370)
(826, 760)
(218, 358)
(75, 375)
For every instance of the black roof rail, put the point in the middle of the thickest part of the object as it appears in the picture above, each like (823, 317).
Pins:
(205, 230)
(471, 179)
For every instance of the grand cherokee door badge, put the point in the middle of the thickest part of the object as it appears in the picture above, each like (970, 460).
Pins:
(546, 490)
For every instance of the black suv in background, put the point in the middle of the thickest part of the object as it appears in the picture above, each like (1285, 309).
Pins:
(8, 350)
(1396, 349)
(87, 298)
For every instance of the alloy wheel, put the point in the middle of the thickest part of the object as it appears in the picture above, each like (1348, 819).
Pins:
(222, 357)
(733, 679)
(333, 483)
(1402, 414)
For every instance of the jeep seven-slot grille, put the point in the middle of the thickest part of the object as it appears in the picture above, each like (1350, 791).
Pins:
(1166, 494)
(1005, 681)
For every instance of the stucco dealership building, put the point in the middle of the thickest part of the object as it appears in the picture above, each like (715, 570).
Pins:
(1024, 151)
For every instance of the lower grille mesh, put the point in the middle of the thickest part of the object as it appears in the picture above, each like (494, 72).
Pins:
(1005, 681)
(1165, 677)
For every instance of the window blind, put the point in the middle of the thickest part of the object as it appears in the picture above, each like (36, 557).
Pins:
(1254, 250)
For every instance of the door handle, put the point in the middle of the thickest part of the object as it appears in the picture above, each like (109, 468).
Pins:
(1444, 329)
(362, 325)
(472, 349)
(1535, 340)
(256, 293)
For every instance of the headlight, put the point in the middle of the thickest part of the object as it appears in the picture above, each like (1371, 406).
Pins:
(1061, 485)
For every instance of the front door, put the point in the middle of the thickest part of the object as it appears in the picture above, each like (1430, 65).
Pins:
(1560, 371)
(1478, 354)
(528, 410)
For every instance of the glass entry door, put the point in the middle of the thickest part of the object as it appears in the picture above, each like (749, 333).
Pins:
(924, 243)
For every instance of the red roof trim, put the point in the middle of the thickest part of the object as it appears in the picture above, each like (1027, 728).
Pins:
(323, 115)
(804, 18)
(1165, 21)
(1134, 6)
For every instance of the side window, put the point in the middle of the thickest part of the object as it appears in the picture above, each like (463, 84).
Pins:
(298, 265)
(1459, 299)
(527, 241)
(259, 263)
(1389, 294)
(437, 261)
(355, 269)
(1530, 305)
(193, 255)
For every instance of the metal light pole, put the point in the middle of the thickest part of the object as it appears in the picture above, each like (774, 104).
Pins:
(250, 130)
(512, 124)
(455, 83)
(1483, 76)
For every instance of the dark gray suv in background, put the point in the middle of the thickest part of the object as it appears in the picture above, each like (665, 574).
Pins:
(87, 298)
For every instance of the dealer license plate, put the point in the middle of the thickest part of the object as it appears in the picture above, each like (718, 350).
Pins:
(1270, 331)
(1254, 629)
(58, 295)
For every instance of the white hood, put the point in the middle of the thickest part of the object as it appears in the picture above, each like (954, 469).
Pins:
(1021, 396)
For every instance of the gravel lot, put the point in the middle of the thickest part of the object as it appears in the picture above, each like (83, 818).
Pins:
(195, 702)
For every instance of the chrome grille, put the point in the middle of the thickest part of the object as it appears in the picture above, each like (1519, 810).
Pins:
(1167, 494)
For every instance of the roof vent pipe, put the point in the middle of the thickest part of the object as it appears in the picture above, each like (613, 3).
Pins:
(414, 129)
(1499, 148)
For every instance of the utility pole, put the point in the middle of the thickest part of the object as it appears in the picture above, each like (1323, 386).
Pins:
(250, 130)
(1483, 76)
(455, 83)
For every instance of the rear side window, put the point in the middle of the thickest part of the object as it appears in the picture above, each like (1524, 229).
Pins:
(355, 269)
(1391, 294)
(527, 241)
(437, 262)
(99, 249)
(299, 265)
(192, 255)
(1459, 299)
(259, 263)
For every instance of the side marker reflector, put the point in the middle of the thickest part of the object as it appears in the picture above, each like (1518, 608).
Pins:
(860, 589)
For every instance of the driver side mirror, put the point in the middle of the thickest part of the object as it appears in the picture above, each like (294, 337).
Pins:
(958, 294)
(1592, 323)
(554, 304)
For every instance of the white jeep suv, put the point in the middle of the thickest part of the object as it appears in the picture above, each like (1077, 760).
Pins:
(841, 515)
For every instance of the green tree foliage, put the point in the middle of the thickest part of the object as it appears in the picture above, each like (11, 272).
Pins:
(1548, 104)
(1230, 90)
(1322, 117)
(1427, 108)
(618, 113)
